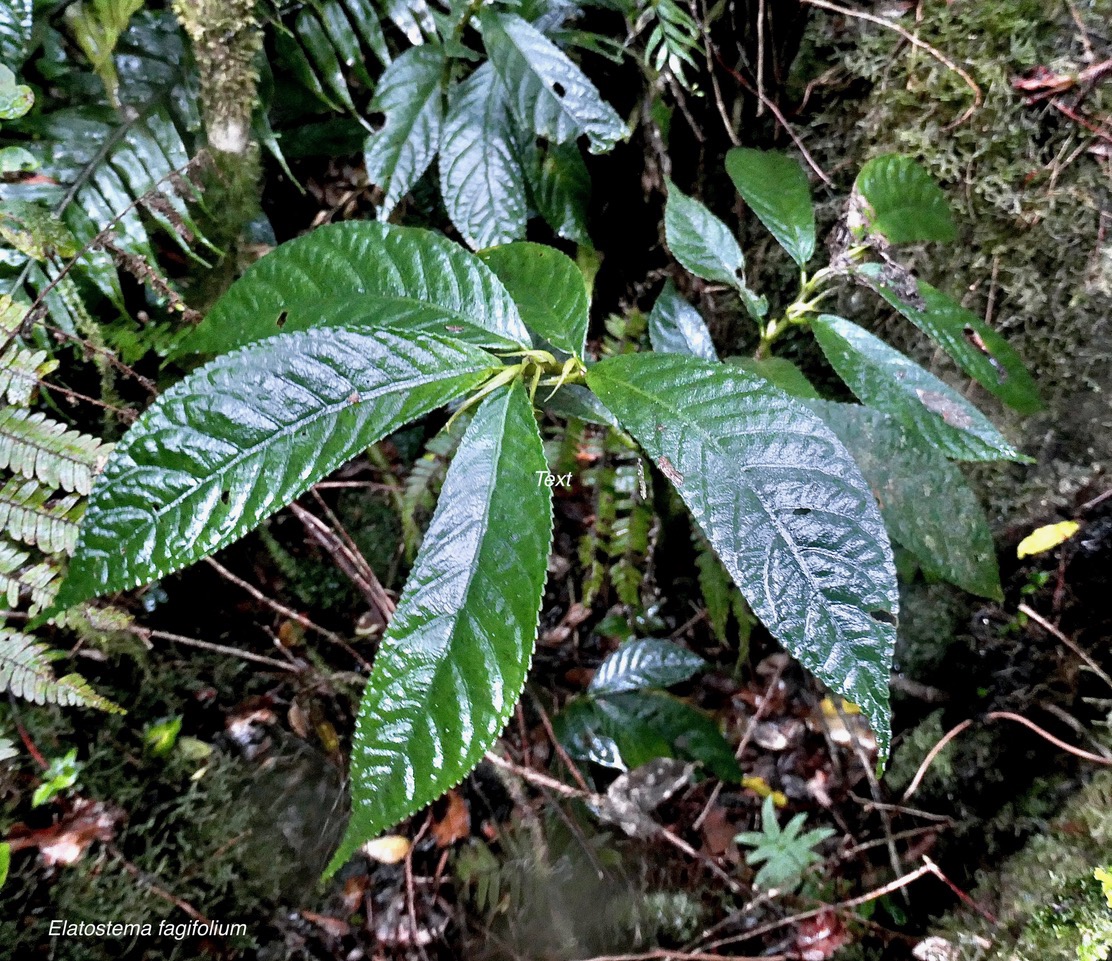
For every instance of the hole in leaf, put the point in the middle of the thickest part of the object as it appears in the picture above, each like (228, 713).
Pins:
(884, 617)
(282, 318)
(376, 121)
(559, 89)
(802, 511)
(225, 497)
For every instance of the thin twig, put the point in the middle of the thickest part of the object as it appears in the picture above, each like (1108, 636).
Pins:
(146, 633)
(1071, 644)
(911, 38)
(781, 119)
(998, 716)
(276, 606)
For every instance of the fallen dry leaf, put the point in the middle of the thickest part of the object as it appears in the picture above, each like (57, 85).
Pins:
(388, 849)
(456, 823)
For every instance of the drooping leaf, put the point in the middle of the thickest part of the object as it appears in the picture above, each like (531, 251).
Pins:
(675, 327)
(575, 400)
(561, 189)
(548, 289)
(410, 96)
(903, 203)
(924, 500)
(5, 848)
(549, 94)
(778, 371)
(782, 503)
(884, 378)
(706, 247)
(980, 351)
(367, 273)
(244, 435)
(453, 661)
(776, 189)
(481, 178)
(648, 662)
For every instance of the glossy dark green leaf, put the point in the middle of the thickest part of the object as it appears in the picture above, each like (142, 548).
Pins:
(924, 500)
(884, 378)
(782, 504)
(371, 273)
(778, 371)
(561, 190)
(549, 94)
(549, 291)
(410, 96)
(675, 327)
(481, 177)
(776, 189)
(903, 203)
(706, 247)
(647, 662)
(325, 61)
(453, 661)
(626, 730)
(980, 351)
(244, 435)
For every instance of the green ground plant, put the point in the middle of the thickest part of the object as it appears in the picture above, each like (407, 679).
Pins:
(340, 337)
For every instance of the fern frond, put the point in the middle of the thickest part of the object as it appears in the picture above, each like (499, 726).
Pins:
(42, 449)
(25, 671)
(29, 515)
(425, 477)
(20, 368)
(18, 579)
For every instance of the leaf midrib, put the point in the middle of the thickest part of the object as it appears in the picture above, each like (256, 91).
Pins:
(282, 432)
(781, 530)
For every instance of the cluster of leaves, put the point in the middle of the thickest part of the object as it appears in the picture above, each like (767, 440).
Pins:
(625, 719)
(489, 89)
(784, 853)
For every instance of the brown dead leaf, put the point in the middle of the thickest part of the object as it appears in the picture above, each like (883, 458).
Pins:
(67, 841)
(718, 832)
(456, 823)
(333, 927)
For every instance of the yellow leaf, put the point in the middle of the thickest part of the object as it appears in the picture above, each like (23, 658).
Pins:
(1104, 876)
(388, 849)
(1047, 538)
(760, 787)
(848, 708)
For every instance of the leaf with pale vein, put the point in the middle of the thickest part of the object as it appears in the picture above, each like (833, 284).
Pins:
(481, 178)
(549, 94)
(647, 662)
(706, 247)
(363, 273)
(410, 96)
(932, 410)
(453, 662)
(782, 503)
(244, 435)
